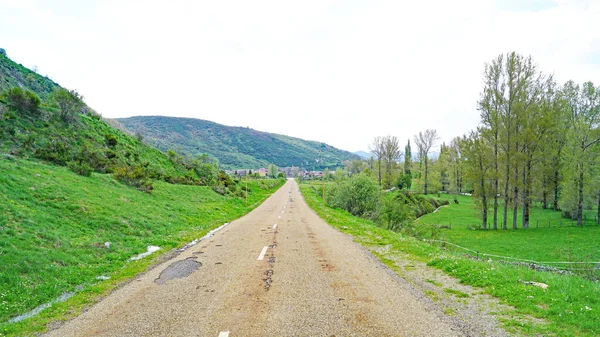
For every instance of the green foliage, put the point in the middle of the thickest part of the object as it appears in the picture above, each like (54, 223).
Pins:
(357, 195)
(135, 176)
(281, 175)
(69, 103)
(272, 170)
(22, 101)
(81, 168)
(394, 213)
(235, 147)
(111, 140)
(225, 184)
(404, 181)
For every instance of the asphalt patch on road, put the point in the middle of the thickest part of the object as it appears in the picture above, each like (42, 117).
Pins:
(178, 269)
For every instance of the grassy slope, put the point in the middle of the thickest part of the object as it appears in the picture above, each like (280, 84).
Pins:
(16, 75)
(55, 224)
(235, 147)
(545, 243)
(564, 305)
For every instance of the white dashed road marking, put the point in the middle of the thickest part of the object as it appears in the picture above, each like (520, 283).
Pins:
(224, 334)
(263, 252)
(274, 226)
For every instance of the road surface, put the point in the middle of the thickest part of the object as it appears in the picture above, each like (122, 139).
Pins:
(278, 271)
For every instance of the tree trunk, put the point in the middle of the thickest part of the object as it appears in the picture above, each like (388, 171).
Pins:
(598, 216)
(555, 203)
(426, 181)
(505, 220)
(580, 199)
(483, 198)
(379, 166)
(496, 181)
(544, 192)
(526, 193)
(515, 197)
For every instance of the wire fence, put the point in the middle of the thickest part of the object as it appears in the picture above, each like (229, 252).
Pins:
(533, 224)
(562, 265)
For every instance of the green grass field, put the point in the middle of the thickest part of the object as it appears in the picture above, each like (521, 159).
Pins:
(568, 307)
(54, 225)
(566, 243)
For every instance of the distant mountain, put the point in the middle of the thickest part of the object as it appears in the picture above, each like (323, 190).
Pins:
(363, 154)
(234, 147)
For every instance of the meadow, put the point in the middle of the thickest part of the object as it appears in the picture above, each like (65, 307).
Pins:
(55, 225)
(550, 237)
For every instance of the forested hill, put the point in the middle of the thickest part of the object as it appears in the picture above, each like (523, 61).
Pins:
(234, 147)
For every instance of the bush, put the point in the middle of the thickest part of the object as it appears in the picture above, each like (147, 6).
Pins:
(111, 140)
(135, 176)
(81, 168)
(23, 101)
(394, 213)
(358, 195)
(56, 150)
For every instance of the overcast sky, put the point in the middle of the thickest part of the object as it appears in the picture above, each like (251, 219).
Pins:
(340, 72)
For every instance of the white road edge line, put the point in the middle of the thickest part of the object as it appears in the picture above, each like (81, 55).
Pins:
(274, 226)
(224, 334)
(262, 253)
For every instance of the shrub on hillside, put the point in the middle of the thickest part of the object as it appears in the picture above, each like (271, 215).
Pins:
(225, 184)
(394, 213)
(81, 168)
(69, 103)
(57, 150)
(23, 101)
(358, 195)
(136, 176)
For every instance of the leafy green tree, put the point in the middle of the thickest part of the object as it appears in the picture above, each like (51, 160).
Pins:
(377, 148)
(583, 104)
(391, 153)
(69, 103)
(272, 170)
(479, 162)
(425, 141)
(358, 195)
(355, 166)
(407, 159)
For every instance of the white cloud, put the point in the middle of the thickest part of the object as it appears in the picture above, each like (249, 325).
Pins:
(340, 72)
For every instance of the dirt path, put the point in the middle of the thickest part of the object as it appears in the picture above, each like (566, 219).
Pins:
(311, 281)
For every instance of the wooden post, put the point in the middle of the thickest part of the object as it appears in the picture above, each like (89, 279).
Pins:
(323, 183)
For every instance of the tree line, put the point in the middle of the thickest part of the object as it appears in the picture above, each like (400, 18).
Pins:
(537, 141)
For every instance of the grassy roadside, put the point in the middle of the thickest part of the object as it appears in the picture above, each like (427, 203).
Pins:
(570, 306)
(55, 223)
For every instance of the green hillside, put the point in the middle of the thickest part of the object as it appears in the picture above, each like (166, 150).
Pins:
(234, 147)
(79, 198)
(13, 74)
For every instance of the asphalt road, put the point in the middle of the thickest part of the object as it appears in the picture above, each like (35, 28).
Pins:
(278, 271)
